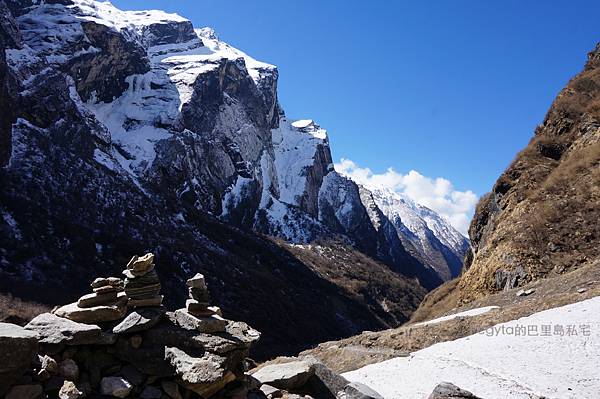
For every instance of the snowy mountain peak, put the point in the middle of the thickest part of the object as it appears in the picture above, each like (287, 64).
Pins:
(132, 22)
(424, 232)
(207, 33)
(309, 126)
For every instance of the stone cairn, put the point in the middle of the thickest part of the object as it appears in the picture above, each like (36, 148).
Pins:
(198, 314)
(142, 285)
(119, 341)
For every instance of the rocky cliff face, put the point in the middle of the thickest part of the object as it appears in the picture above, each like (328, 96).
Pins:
(133, 131)
(540, 219)
(186, 134)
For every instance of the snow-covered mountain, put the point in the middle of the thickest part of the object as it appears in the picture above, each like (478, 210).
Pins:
(425, 233)
(132, 130)
(187, 111)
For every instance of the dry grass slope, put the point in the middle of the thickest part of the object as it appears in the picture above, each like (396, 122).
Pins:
(542, 214)
(17, 311)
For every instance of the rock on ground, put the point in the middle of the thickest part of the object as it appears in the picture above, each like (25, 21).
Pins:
(17, 349)
(69, 391)
(58, 330)
(447, 390)
(139, 320)
(356, 390)
(287, 375)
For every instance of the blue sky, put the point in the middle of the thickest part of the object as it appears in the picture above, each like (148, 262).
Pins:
(451, 89)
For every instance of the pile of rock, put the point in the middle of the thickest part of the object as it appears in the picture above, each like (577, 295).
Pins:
(198, 315)
(106, 303)
(119, 341)
(142, 285)
(146, 353)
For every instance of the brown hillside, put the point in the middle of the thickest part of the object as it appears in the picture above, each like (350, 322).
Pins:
(541, 217)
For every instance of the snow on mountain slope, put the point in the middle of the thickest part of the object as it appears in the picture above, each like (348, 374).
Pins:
(296, 145)
(518, 359)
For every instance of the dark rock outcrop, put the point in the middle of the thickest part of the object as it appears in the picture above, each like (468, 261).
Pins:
(113, 56)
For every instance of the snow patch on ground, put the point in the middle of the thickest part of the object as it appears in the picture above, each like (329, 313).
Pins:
(466, 313)
(538, 355)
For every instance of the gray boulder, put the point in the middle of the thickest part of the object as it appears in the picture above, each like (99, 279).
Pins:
(207, 369)
(57, 330)
(447, 390)
(211, 324)
(139, 320)
(93, 315)
(324, 383)
(271, 392)
(356, 390)
(286, 376)
(18, 347)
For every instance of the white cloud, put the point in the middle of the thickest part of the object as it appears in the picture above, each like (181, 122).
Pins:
(437, 194)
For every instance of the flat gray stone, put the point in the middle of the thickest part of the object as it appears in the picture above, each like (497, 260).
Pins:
(356, 390)
(286, 376)
(210, 324)
(271, 391)
(197, 281)
(57, 330)
(106, 281)
(139, 320)
(93, 315)
(97, 299)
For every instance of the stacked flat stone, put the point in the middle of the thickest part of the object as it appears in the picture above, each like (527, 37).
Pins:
(198, 303)
(107, 302)
(142, 285)
(198, 315)
(105, 293)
